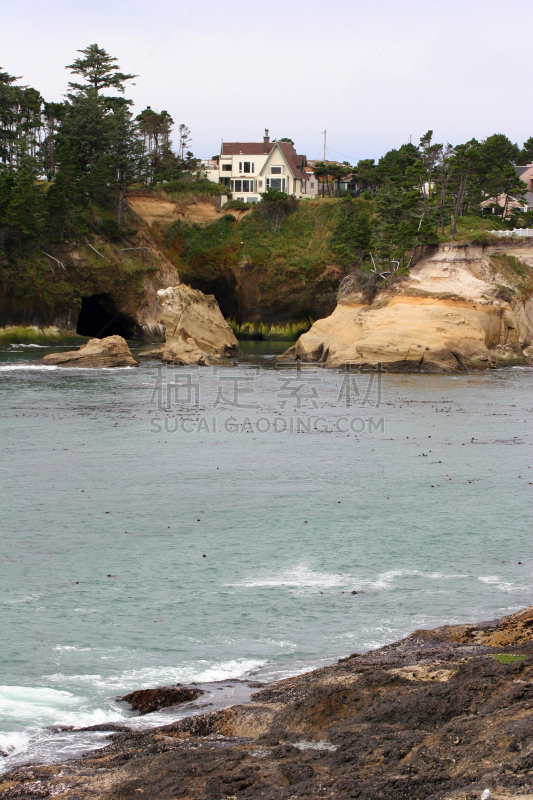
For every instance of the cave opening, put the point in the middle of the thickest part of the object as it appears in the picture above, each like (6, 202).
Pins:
(99, 317)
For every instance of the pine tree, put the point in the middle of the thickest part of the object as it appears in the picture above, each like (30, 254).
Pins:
(99, 70)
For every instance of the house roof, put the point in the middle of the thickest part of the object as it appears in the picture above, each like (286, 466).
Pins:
(520, 170)
(245, 148)
(294, 161)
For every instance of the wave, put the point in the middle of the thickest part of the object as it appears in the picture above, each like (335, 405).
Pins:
(44, 706)
(65, 370)
(500, 583)
(303, 577)
(300, 576)
(33, 367)
(31, 345)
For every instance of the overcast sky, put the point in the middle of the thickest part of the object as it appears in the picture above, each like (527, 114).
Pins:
(372, 73)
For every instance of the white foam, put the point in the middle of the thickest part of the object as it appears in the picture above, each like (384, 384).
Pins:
(499, 583)
(44, 706)
(298, 577)
(22, 367)
(202, 671)
(31, 345)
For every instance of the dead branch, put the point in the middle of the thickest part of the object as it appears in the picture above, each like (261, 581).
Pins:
(95, 250)
(59, 263)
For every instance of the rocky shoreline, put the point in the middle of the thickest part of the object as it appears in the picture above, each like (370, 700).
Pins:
(441, 713)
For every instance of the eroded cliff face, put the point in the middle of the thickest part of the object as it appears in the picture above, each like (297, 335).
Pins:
(462, 307)
(109, 286)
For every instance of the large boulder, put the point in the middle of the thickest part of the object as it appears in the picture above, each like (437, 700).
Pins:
(195, 330)
(113, 351)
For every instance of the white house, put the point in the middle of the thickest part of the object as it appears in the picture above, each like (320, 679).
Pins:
(249, 169)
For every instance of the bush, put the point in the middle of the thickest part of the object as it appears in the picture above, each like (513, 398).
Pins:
(238, 205)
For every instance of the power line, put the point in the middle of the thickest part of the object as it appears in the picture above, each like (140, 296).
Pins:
(367, 67)
(172, 32)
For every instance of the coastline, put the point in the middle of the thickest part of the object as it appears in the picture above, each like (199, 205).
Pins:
(442, 712)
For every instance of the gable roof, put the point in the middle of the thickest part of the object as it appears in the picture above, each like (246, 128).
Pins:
(295, 162)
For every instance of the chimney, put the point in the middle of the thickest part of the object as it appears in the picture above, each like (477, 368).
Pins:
(266, 141)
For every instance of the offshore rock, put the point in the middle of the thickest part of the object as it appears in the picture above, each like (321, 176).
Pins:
(195, 330)
(454, 312)
(113, 351)
(147, 700)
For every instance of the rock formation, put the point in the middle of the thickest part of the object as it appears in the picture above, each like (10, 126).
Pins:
(195, 330)
(145, 701)
(455, 311)
(112, 351)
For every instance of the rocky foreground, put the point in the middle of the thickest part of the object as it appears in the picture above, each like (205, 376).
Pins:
(443, 713)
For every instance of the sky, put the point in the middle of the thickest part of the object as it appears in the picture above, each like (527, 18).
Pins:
(373, 74)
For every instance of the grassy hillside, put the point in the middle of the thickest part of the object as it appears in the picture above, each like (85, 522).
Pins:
(260, 275)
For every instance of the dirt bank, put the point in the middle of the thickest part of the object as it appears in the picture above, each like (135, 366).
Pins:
(156, 209)
(440, 714)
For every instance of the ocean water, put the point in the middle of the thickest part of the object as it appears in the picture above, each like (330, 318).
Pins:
(163, 525)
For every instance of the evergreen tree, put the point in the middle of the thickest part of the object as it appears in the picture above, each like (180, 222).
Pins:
(99, 70)
(525, 155)
(67, 199)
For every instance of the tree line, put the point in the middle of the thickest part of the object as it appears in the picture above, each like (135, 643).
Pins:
(414, 193)
(57, 160)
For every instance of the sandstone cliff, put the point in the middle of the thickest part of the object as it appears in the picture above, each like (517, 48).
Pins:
(462, 307)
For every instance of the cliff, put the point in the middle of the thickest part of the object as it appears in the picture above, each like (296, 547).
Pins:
(461, 307)
(443, 713)
(104, 284)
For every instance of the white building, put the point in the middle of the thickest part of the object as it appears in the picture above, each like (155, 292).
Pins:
(249, 169)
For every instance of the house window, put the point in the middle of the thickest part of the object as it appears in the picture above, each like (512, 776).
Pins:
(312, 185)
(226, 167)
(224, 181)
(246, 166)
(276, 183)
(275, 170)
(244, 185)
(260, 184)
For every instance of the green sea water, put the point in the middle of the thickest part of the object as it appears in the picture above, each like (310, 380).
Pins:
(162, 525)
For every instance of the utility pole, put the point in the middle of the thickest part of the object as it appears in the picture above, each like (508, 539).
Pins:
(324, 132)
